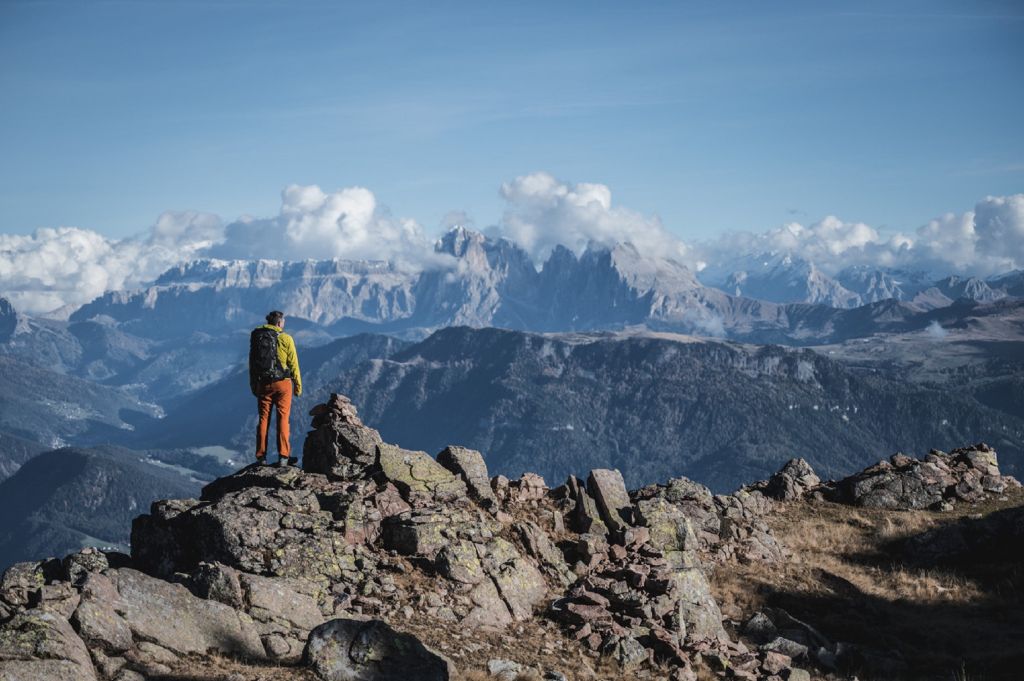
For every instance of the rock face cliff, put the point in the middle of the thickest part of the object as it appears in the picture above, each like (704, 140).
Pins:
(310, 567)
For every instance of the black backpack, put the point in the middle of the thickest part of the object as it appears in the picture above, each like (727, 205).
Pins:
(264, 364)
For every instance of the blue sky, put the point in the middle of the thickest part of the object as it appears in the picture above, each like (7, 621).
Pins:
(714, 116)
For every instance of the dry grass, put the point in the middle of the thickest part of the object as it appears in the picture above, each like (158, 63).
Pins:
(218, 668)
(849, 578)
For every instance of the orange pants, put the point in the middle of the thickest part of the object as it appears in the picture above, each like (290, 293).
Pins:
(279, 396)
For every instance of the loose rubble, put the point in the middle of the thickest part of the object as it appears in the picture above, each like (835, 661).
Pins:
(316, 566)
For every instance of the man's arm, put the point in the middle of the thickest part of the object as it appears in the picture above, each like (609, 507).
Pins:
(293, 364)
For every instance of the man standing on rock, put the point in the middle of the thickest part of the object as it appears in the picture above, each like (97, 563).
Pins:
(273, 376)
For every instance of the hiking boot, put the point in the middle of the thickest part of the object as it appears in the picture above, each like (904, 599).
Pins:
(261, 461)
(286, 461)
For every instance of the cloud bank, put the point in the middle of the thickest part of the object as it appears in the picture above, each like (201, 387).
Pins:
(983, 241)
(68, 266)
(542, 212)
(347, 223)
(56, 268)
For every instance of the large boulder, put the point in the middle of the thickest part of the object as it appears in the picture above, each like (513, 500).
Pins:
(357, 650)
(937, 481)
(22, 582)
(173, 618)
(96, 619)
(469, 465)
(419, 478)
(608, 489)
(36, 645)
(792, 481)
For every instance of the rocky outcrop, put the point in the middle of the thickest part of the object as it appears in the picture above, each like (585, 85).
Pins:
(283, 565)
(792, 481)
(938, 481)
(723, 527)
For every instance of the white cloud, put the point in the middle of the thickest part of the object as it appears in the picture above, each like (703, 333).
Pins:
(542, 212)
(987, 240)
(53, 268)
(999, 228)
(56, 267)
(346, 224)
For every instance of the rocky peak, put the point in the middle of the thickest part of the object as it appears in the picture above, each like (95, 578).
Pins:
(783, 278)
(459, 240)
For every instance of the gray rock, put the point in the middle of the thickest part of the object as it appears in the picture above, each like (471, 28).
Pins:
(681, 490)
(469, 465)
(78, 565)
(340, 446)
(459, 562)
(418, 533)
(60, 598)
(669, 527)
(354, 650)
(792, 481)
(217, 582)
(280, 600)
(488, 609)
(609, 491)
(417, 476)
(760, 628)
(529, 487)
(787, 647)
(36, 645)
(522, 587)
(96, 621)
(129, 675)
(539, 546)
(275, 527)
(169, 615)
(698, 609)
(505, 670)
(585, 517)
(903, 483)
(21, 583)
(629, 652)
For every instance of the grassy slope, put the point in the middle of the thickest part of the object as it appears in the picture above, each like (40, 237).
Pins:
(851, 579)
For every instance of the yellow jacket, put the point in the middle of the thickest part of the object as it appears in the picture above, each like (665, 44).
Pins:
(287, 356)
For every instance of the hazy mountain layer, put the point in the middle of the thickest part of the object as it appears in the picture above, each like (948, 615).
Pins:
(69, 498)
(651, 405)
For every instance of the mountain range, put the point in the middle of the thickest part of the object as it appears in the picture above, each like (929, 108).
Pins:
(784, 278)
(482, 281)
(604, 358)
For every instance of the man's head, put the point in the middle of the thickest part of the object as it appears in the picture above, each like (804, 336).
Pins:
(276, 318)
